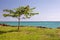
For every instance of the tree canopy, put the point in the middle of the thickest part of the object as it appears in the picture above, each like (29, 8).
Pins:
(17, 12)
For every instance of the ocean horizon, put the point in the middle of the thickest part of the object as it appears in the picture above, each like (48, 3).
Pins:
(49, 24)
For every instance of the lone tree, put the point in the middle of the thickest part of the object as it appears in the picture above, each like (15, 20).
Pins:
(18, 12)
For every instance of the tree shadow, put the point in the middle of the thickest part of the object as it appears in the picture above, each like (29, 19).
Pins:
(2, 32)
(13, 31)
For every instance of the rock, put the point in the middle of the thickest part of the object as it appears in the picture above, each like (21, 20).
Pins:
(4, 25)
(41, 27)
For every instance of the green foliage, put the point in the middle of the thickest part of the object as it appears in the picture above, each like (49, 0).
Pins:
(29, 12)
(5, 15)
(10, 11)
(17, 12)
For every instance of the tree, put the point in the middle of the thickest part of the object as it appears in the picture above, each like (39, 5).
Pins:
(18, 12)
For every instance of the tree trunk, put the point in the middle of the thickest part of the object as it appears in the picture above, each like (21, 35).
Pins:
(18, 23)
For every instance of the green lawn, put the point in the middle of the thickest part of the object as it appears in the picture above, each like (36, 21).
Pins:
(29, 33)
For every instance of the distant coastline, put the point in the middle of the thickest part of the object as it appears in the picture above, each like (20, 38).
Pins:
(49, 24)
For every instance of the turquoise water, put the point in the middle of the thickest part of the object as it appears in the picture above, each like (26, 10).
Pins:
(50, 24)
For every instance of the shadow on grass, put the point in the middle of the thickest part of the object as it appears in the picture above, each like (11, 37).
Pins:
(13, 31)
(2, 32)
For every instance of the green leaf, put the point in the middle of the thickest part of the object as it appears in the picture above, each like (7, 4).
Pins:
(5, 15)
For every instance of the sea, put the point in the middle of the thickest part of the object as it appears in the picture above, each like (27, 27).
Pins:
(49, 24)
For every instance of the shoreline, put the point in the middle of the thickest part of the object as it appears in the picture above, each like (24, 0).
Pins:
(27, 26)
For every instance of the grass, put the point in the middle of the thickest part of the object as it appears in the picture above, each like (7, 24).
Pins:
(29, 33)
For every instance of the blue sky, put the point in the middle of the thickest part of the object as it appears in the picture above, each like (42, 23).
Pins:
(49, 10)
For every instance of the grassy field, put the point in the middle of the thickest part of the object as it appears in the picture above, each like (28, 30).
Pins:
(29, 33)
